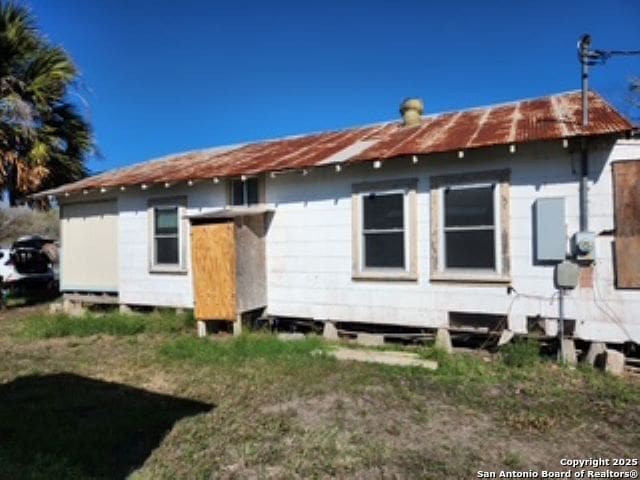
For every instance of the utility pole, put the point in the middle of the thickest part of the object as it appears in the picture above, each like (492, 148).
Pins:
(583, 47)
(588, 58)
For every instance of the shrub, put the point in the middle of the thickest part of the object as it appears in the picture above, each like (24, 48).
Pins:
(18, 221)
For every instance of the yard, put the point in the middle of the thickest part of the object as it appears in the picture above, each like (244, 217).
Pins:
(112, 396)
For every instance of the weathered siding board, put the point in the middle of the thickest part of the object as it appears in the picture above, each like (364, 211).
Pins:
(89, 240)
(626, 186)
(309, 246)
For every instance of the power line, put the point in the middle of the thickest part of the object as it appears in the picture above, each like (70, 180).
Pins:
(586, 56)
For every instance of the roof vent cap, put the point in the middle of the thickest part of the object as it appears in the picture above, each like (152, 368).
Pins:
(411, 110)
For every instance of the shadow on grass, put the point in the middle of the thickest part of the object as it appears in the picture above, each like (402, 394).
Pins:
(30, 298)
(67, 426)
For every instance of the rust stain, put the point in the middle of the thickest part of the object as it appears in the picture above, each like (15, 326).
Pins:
(548, 118)
(586, 276)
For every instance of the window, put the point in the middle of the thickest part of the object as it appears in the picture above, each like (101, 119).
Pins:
(166, 235)
(469, 227)
(244, 192)
(384, 230)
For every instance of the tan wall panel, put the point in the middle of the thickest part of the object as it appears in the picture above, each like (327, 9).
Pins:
(89, 239)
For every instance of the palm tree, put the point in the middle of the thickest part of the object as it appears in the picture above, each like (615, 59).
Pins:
(44, 140)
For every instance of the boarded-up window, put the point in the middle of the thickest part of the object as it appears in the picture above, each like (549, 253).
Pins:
(626, 186)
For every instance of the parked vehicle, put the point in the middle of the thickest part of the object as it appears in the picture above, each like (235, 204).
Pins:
(6, 265)
(6, 269)
(29, 264)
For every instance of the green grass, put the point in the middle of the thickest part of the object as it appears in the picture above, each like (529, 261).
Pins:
(112, 323)
(114, 404)
(240, 349)
(521, 353)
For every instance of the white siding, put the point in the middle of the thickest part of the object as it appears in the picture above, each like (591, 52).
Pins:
(309, 245)
(138, 286)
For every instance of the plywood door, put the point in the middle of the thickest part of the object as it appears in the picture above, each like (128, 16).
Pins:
(213, 253)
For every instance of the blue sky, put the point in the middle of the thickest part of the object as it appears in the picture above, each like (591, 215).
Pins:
(163, 76)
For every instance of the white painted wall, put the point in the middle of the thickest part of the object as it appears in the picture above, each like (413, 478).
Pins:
(309, 245)
(139, 286)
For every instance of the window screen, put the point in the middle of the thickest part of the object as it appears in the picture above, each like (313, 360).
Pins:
(469, 227)
(165, 232)
(251, 186)
(237, 192)
(244, 192)
(383, 230)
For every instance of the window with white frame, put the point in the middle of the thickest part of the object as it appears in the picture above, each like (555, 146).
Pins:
(245, 192)
(166, 236)
(469, 226)
(384, 230)
(166, 252)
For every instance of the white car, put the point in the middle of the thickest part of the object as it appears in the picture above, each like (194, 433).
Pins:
(26, 265)
(8, 272)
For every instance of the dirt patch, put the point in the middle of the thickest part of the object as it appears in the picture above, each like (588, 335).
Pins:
(440, 429)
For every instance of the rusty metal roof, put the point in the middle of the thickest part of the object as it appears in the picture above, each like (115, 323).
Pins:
(552, 117)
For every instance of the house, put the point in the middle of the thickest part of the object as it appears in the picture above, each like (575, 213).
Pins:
(451, 220)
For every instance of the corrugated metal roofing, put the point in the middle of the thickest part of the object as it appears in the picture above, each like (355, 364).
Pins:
(552, 117)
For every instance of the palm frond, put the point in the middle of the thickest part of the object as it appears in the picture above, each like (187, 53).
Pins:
(44, 140)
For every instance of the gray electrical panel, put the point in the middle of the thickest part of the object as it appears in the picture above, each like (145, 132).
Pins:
(567, 275)
(551, 234)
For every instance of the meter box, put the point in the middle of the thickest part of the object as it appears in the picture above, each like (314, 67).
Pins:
(584, 246)
(567, 275)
